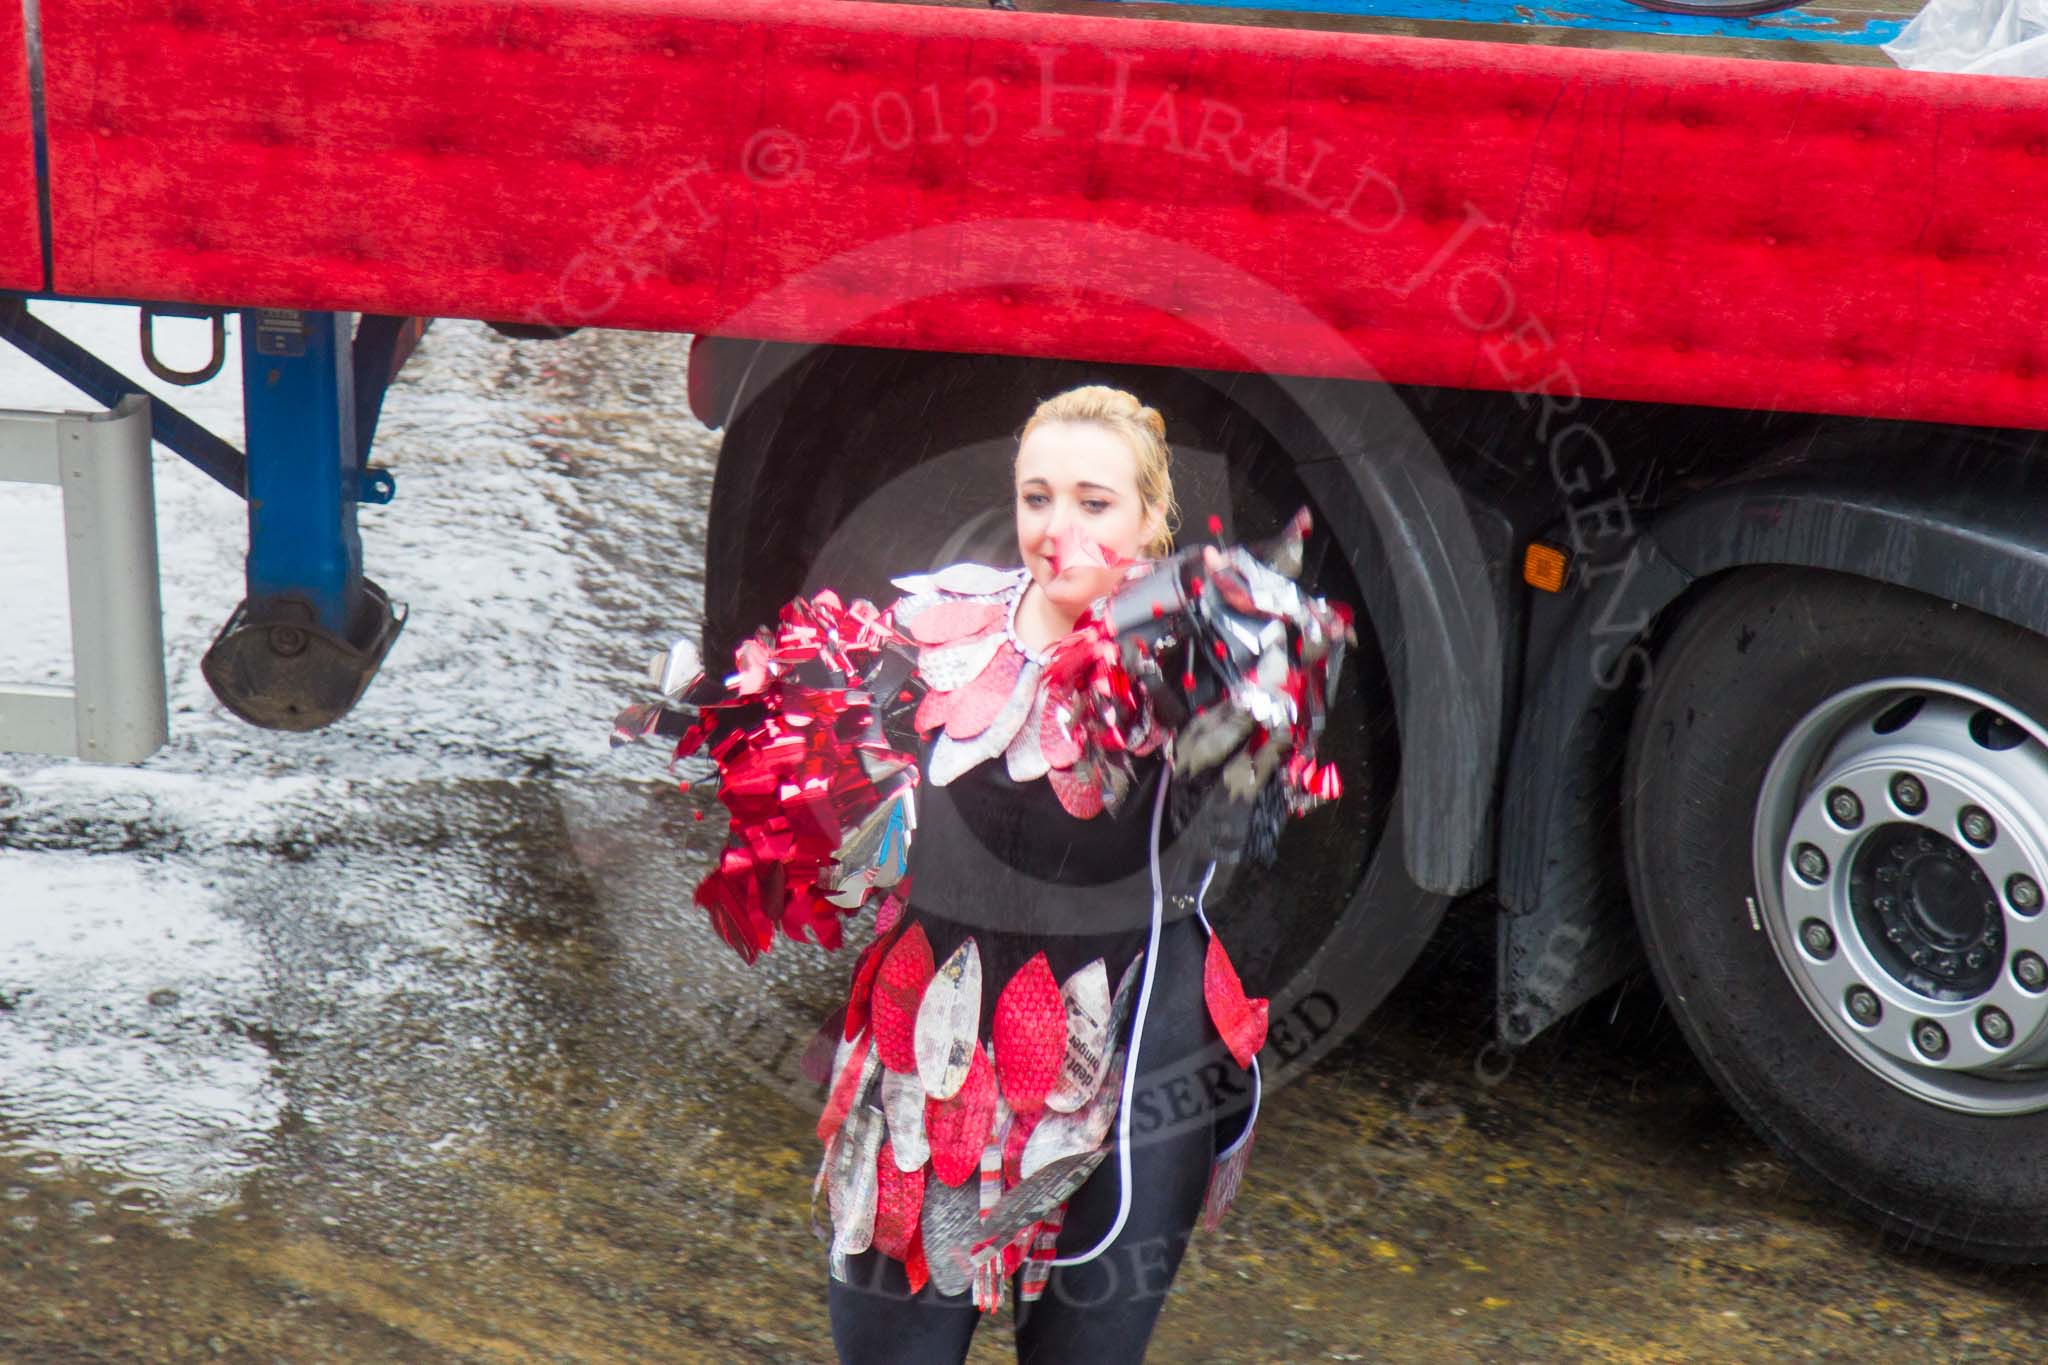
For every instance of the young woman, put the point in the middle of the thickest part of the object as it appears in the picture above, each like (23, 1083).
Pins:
(1045, 1072)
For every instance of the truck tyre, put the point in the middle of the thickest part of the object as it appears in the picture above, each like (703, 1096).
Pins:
(860, 463)
(1836, 838)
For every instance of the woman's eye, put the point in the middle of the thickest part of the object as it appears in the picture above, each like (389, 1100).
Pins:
(1097, 506)
(1033, 499)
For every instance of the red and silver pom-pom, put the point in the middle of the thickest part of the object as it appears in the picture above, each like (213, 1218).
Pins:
(820, 804)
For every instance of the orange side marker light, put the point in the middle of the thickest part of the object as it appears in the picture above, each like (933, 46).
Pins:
(1544, 566)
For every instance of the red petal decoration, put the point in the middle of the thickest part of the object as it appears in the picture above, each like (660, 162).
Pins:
(958, 1128)
(914, 1264)
(1076, 789)
(893, 906)
(947, 622)
(865, 969)
(899, 1199)
(976, 704)
(1013, 1146)
(1240, 1020)
(899, 990)
(1030, 1032)
(840, 1101)
(933, 710)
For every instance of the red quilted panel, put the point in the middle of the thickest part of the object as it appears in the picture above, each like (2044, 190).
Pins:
(21, 239)
(1504, 216)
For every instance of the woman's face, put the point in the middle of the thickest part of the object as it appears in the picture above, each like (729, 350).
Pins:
(1077, 502)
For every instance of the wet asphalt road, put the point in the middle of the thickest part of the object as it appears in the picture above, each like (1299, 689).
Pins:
(402, 1041)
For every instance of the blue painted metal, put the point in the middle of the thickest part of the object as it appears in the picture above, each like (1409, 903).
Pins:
(298, 404)
(108, 386)
(1796, 25)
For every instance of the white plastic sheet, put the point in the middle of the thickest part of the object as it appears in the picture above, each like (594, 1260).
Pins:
(1981, 37)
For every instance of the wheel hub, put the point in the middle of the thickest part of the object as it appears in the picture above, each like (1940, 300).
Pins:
(1900, 844)
(1927, 911)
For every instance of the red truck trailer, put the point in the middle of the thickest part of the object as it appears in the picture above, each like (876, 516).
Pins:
(1665, 400)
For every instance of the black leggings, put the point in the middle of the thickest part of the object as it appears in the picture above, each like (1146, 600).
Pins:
(1101, 1310)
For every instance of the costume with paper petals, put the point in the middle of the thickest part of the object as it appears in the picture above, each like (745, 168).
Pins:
(984, 1062)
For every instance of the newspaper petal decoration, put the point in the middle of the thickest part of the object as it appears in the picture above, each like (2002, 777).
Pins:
(948, 1222)
(903, 1101)
(856, 1069)
(1225, 1177)
(947, 1020)
(1061, 1135)
(958, 1127)
(1241, 1021)
(1085, 997)
(899, 991)
(899, 1199)
(821, 1210)
(1030, 1035)
(1025, 757)
(1051, 1185)
(851, 1186)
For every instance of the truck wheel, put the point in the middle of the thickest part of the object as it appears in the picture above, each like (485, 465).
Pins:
(862, 463)
(1837, 844)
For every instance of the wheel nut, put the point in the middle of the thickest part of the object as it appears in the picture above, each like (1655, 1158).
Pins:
(1996, 1028)
(1977, 827)
(1845, 807)
(1817, 939)
(1864, 1006)
(1908, 795)
(1811, 863)
(1930, 1038)
(2024, 893)
(2030, 971)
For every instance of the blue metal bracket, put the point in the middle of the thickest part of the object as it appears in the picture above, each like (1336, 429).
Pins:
(299, 411)
(312, 632)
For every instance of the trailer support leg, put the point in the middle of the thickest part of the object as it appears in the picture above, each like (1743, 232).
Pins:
(305, 642)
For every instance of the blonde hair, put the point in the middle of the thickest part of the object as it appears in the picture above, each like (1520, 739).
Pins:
(1142, 429)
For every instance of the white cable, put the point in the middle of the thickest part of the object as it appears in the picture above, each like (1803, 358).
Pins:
(1200, 897)
(1123, 1144)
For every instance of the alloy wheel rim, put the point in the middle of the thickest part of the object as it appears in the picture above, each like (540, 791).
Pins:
(1900, 851)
